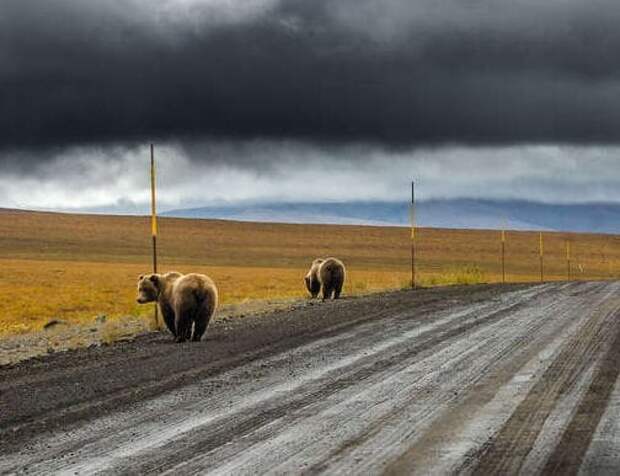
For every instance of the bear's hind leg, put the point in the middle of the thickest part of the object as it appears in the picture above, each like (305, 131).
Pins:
(327, 292)
(183, 326)
(337, 291)
(183, 321)
(202, 321)
(200, 326)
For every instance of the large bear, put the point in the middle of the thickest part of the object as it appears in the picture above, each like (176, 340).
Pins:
(183, 300)
(326, 275)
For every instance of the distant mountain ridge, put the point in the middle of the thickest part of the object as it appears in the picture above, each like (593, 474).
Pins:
(483, 214)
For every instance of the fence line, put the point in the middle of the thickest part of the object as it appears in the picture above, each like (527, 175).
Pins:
(585, 256)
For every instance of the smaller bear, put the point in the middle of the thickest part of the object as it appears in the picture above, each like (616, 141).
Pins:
(327, 275)
(183, 300)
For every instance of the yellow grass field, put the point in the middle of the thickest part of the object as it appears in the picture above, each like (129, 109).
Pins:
(74, 267)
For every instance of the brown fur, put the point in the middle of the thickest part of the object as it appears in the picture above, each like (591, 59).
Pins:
(326, 275)
(183, 299)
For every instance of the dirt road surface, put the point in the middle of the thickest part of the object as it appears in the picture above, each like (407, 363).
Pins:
(485, 380)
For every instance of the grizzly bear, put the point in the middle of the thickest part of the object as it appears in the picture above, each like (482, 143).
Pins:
(183, 299)
(327, 275)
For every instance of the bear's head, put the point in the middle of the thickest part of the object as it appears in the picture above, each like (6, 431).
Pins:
(148, 288)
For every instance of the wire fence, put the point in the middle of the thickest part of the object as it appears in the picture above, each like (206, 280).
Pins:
(514, 256)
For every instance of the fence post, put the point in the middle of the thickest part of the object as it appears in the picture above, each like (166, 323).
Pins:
(413, 250)
(503, 237)
(541, 252)
(606, 261)
(154, 225)
(568, 270)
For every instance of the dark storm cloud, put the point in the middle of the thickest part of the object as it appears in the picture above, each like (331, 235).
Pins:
(393, 72)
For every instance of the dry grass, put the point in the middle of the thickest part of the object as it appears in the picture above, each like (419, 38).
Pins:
(75, 267)
(471, 274)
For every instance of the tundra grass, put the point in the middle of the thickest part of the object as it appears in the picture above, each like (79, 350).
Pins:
(75, 267)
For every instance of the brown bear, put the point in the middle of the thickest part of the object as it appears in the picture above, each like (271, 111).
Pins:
(183, 299)
(327, 275)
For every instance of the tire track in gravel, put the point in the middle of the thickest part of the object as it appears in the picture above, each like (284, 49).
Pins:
(70, 388)
(506, 452)
(356, 396)
(503, 346)
(471, 317)
(378, 373)
(571, 450)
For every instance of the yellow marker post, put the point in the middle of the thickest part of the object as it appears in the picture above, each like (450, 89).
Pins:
(541, 251)
(154, 223)
(605, 260)
(413, 243)
(568, 260)
(503, 238)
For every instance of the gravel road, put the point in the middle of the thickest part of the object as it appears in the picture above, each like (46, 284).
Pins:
(482, 379)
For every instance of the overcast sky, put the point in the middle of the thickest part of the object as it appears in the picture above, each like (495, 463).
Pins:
(265, 99)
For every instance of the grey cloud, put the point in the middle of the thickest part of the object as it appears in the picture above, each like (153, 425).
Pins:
(224, 172)
(392, 73)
